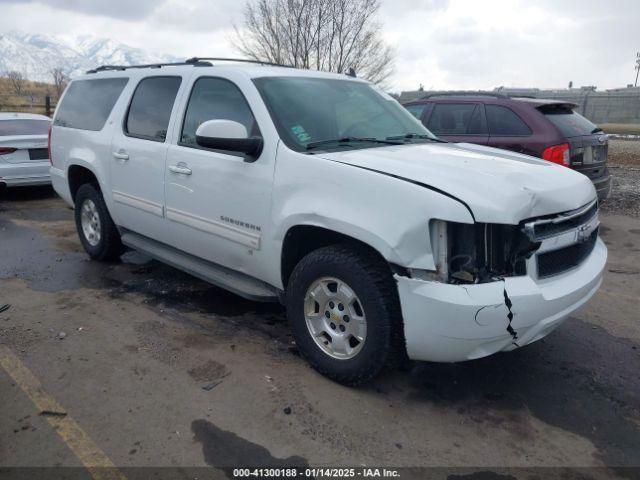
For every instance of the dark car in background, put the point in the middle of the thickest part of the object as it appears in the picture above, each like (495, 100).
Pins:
(547, 129)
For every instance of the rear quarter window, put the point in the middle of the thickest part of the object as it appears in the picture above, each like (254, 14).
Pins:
(570, 123)
(86, 105)
(23, 127)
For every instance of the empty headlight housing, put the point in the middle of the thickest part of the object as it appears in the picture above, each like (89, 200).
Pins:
(479, 252)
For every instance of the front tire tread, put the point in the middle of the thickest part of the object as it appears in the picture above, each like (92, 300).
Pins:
(110, 246)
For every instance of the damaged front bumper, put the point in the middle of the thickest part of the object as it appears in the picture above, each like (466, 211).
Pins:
(450, 323)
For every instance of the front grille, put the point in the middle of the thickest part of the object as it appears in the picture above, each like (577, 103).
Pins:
(38, 154)
(558, 261)
(544, 229)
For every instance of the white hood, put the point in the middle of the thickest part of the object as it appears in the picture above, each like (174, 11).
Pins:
(497, 185)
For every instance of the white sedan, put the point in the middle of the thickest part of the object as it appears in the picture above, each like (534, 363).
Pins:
(24, 154)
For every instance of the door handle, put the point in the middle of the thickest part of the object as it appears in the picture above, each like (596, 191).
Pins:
(180, 168)
(121, 155)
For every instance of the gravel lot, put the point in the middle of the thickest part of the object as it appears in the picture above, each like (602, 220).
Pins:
(624, 152)
(624, 165)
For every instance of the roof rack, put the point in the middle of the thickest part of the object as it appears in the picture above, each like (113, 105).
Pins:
(195, 61)
(466, 94)
(242, 60)
(105, 68)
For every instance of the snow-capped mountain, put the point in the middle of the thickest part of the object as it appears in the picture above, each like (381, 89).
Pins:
(36, 55)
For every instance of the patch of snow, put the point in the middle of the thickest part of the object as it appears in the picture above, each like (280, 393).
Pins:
(36, 55)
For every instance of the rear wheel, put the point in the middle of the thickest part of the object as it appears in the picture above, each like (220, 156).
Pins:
(344, 311)
(98, 234)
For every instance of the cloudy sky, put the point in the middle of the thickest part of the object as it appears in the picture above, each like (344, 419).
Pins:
(448, 44)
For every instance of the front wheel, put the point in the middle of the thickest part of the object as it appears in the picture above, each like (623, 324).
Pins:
(344, 311)
(98, 234)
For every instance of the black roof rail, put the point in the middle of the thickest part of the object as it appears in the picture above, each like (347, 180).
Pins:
(105, 68)
(465, 94)
(195, 61)
(242, 60)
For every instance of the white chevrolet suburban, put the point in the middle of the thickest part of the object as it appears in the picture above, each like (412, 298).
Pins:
(321, 191)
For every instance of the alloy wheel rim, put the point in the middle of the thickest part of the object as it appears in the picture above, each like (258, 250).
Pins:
(335, 318)
(90, 221)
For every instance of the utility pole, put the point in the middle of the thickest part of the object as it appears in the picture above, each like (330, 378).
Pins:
(637, 67)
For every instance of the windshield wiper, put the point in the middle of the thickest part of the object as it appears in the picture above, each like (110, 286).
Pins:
(409, 136)
(347, 140)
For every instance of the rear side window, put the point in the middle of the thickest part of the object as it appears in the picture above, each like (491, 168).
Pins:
(503, 121)
(416, 110)
(215, 99)
(150, 108)
(87, 103)
(23, 127)
(570, 123)
(456, 119)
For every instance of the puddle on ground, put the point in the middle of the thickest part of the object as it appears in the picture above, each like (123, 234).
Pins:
(34, 258)
(225, 450)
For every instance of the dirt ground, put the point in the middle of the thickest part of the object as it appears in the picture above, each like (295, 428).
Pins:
(158, 369)
(621, 128)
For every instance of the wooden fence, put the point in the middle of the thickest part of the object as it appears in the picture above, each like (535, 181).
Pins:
(41, 104)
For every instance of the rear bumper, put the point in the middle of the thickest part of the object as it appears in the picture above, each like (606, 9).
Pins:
(61, 184)
(23, 174)
(451, 323)
(603, 186)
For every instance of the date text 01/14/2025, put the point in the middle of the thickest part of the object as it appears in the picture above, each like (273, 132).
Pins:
(334, 473)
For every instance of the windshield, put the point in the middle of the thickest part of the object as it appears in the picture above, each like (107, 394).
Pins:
(314, 111)
(24, 127)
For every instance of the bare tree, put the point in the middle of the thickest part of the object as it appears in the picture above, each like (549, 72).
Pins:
(60, 80)
(332, 35)
(17, 82)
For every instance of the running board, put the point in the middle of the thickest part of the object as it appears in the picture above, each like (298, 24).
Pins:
(236, 282)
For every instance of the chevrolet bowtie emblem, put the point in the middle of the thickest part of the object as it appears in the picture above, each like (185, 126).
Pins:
(585, 231)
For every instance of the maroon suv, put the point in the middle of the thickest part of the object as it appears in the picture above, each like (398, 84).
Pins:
(548, 129)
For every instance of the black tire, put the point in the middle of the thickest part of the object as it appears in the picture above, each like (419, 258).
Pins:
(109, 247)
(370, 278)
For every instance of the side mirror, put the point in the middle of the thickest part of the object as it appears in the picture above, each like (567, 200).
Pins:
(228, 135)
